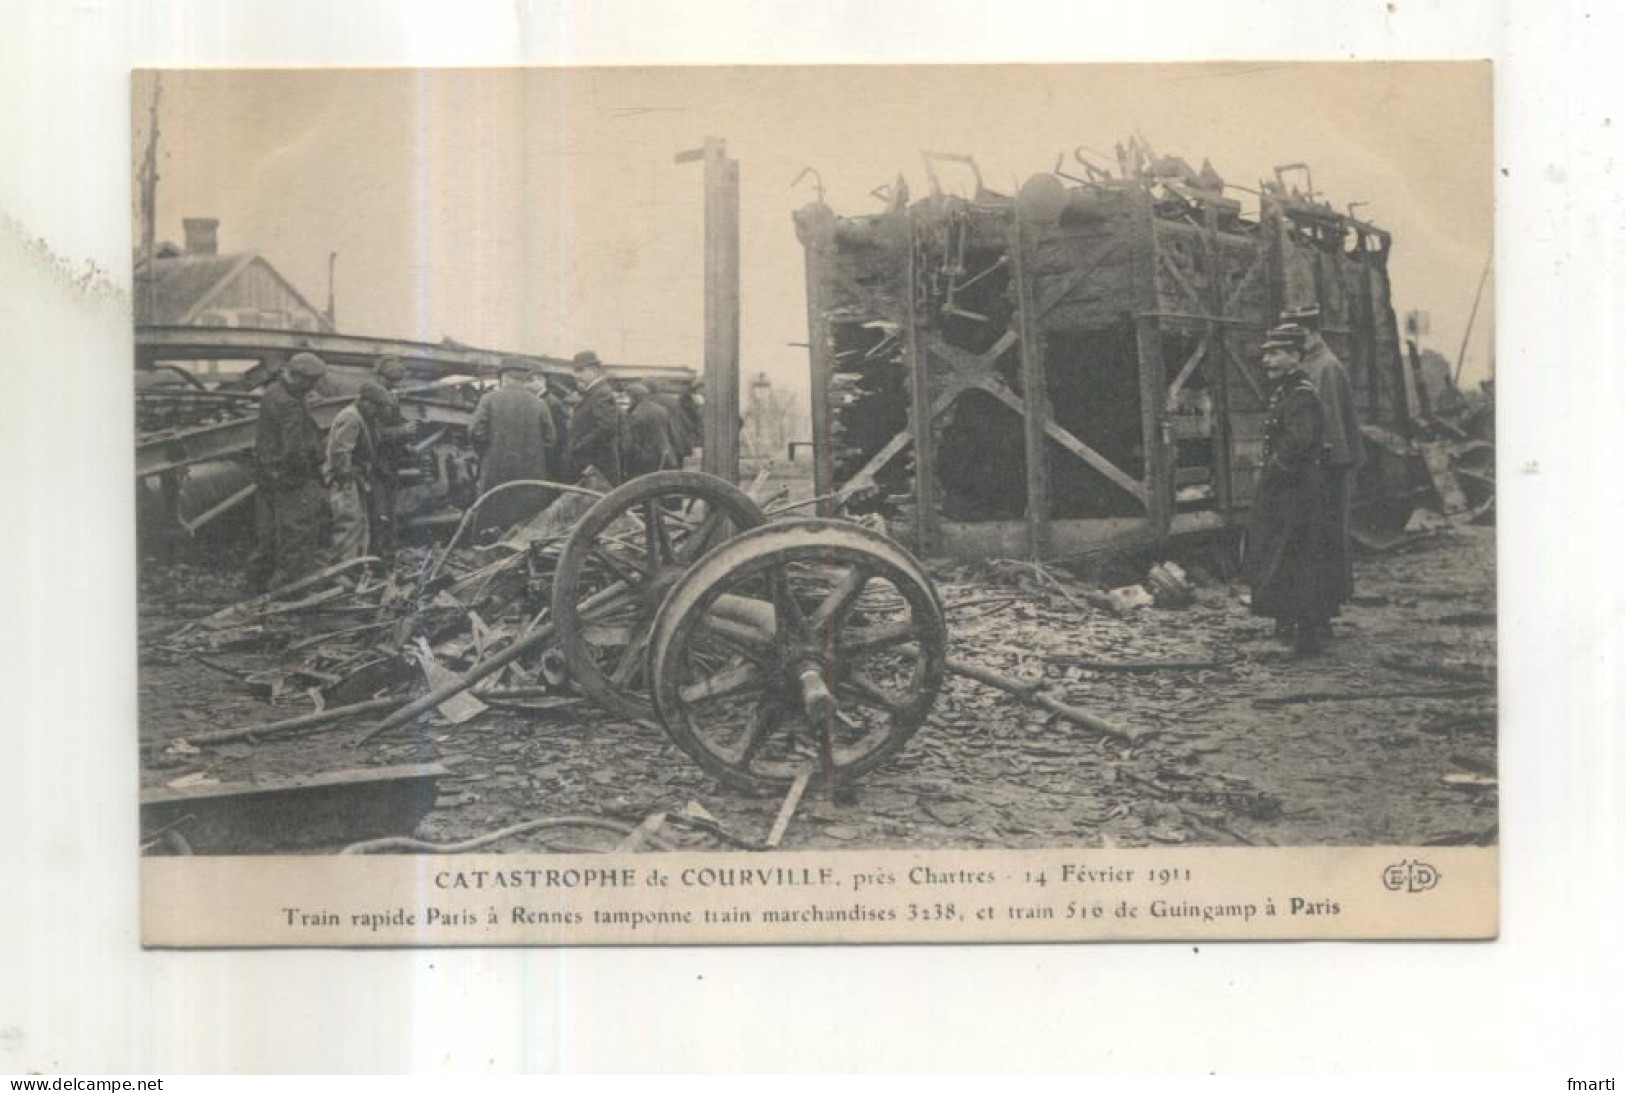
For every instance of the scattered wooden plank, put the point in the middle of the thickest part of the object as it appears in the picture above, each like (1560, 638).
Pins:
(273, 728)
(1452, 673)
(781, 822)
(1358, 696)
(1030, 693)
(634, 842)
(458, 706)
(1133, 665)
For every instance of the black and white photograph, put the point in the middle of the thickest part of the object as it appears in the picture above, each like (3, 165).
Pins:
(596, 467)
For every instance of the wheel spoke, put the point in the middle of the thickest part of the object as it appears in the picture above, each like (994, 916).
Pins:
(656, 537)
(651, 536)
(841, 597)
(601, 634)
(699, 539)
(733, 680)
(767, 716)
(618, 566)
(626, 669)
(868, 689)
(878, 637)
(791, 619)
(742, 640)
(603, 605)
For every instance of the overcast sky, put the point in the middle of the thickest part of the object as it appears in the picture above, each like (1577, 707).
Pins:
(541, 210)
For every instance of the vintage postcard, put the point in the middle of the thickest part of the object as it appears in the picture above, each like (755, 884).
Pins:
(815, 504)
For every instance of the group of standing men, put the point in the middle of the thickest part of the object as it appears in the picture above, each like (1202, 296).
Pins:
(522, 431)
(1297, 557)
(310, 484)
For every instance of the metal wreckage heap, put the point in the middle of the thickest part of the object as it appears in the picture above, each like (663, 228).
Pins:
(1087, 354)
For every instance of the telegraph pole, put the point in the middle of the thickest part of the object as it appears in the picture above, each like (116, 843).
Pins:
(149, 197)
(721, 418)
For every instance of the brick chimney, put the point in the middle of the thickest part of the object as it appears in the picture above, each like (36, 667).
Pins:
(202, 235)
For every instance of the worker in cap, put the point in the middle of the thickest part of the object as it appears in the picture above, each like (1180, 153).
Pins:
(1345, 443)
(691, 419)
(1285, 335)
(351, 471)
(1293, 561)
(385, 453)
(595, 423)
(307, 366)
(390, 372)
(649, 444)
(512, 432)
(685, 431)
(290, 503)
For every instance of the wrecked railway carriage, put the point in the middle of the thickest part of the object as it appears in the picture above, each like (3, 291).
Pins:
(1086, 353)
(197, 403)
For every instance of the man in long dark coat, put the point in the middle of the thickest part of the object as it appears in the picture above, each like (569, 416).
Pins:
(649, 428)
(595, 425)
(511, 432)
(290, 506)
(1345, 444)
(558, 456)
(1295, 562)
(393, 434)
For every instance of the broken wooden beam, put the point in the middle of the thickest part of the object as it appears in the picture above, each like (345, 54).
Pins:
(1031, 694)
(272, 728)
(458, 684)
(1132, 665)
(1450, 673)
(1357, 696)
(787, 810)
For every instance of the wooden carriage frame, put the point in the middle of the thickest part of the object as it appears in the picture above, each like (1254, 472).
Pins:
(1180, 267)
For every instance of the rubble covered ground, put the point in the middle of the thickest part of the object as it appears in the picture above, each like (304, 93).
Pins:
(1387, 738)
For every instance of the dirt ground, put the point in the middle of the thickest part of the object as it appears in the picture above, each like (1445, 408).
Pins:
(1376, 759)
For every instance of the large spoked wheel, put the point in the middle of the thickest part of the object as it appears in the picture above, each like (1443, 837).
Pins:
(617, 566)
(804, 645)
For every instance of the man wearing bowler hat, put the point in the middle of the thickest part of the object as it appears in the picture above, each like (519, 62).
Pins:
(595, 424)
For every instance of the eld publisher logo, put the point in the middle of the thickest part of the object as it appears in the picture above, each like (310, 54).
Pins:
(1410, 876)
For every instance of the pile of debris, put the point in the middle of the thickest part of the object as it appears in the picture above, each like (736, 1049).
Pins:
(359, 637)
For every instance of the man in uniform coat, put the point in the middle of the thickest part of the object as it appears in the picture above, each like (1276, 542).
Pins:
(511, 432)
(1295, 562)
(1345, 445)
(649, 429)
(595, 425)
(290, 507)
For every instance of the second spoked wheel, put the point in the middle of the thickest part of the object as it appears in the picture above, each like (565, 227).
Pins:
(802, 646)
(617, 566)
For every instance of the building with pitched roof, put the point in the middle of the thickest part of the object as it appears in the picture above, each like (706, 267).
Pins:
(199, 286)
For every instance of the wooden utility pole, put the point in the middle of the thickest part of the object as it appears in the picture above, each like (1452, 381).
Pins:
(332, 308)
(1461, 354)
(1034, 394)
(721, 418)
(149, 200)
